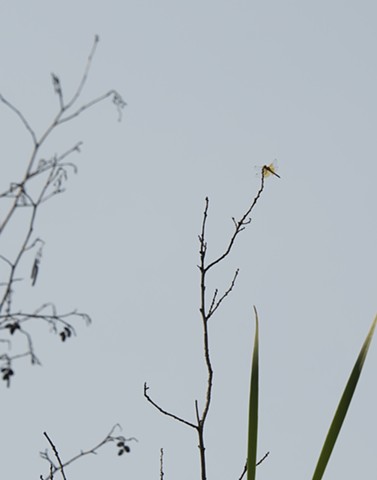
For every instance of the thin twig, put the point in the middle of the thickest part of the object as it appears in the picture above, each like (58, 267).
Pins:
(85, 75)
(214, 307)
(257, 464)
(56, 455)
(21, 117)
(92, 451)
(161, 464)
(264, 456)
(239, 226)
(86, 106)
(165, 412)
(243, 472)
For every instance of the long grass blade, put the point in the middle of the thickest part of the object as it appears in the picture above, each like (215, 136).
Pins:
(253, 406)
(342, 409)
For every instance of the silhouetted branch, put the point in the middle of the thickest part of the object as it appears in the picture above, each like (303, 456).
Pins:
(61, 468)
(239, 225)
(21, 117)
(117, 100)
(161, 464)
(267, 453)
(215, 305)
(43, 179)
(121, 445)
(86, 73)
(258, 463)
(206, 313)
(13, 323)
(165, 412)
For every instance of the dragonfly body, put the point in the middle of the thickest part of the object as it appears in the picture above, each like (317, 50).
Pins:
(268, 170)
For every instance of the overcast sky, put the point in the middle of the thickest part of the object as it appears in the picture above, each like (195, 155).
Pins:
(214, 89)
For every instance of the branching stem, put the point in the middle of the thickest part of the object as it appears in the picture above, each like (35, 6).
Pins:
(205, 314)
(29, 195)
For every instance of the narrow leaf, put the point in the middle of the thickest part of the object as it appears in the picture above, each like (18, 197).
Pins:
(253, 406)
(342, 409)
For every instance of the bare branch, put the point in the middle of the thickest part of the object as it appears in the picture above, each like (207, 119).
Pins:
(21, 117)
(257, 464)
(267, 453)
(216, 302)
(179, 419)
(85, 75)
(112, 93)
(46, 165)
(161, 464)
(213, 303)
(243, 471)
(239, 226)
(6, 260)
(121, 444)
(197, 412)
(13, 322)
(206, 314)
(52, 175)
(214, 307)
(61, 468)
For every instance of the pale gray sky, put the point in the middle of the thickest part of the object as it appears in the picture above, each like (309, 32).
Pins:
(213, 88)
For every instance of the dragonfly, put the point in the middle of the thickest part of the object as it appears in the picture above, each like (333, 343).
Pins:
(270, 169)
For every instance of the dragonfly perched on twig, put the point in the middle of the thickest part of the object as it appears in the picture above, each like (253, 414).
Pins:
(270, 169)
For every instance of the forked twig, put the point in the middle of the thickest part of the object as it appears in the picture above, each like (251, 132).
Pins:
(61, 468)
(120, 441)
(215, 305)
(258, 463)
(165, 412)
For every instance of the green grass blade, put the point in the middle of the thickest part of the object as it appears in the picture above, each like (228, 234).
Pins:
(344, 403)
(253, 406)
